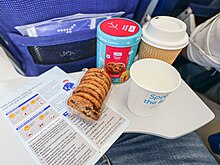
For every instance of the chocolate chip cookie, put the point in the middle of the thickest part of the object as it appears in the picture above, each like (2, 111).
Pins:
(99, 75)
(115, 68)
(96, 105)
(89, 90)
(98, 87)
(84, 106)
(88, 97)
(98, 80)
(100, 71)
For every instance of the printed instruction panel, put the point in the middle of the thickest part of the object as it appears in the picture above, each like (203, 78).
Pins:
(38, 115)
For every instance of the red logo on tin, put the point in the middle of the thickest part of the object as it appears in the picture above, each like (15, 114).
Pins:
(119, 27)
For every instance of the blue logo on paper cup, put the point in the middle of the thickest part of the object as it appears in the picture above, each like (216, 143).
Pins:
(155, 99)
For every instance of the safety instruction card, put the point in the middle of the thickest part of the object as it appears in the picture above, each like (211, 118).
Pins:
(37, 112)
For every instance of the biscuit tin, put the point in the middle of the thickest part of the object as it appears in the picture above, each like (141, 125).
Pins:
(117, 43)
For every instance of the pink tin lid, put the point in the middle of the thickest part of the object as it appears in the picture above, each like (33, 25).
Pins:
(119, 27)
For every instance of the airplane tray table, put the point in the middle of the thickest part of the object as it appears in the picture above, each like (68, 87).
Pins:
(183, 111)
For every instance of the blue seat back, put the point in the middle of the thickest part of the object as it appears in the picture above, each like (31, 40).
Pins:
(26, 49)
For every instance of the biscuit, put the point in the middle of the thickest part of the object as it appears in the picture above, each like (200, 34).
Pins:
(84, 106)
(91, 85)
(96, 104)
(115, 68)
(87, 99)
(100, 75)
(79, 103)
(89, 91)
(98, 80)
(100, 71)
(93, 115)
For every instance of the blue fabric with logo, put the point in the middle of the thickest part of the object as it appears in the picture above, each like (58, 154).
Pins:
(72, 51)
(38, 54)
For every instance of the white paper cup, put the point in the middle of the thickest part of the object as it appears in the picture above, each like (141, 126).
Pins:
(163, 38)
(151, 82)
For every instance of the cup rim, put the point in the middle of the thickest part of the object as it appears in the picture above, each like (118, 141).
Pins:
(181, 23)
(156, 91)
(163, 45)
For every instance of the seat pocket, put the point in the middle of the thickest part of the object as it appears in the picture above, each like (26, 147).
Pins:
(71, 52)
